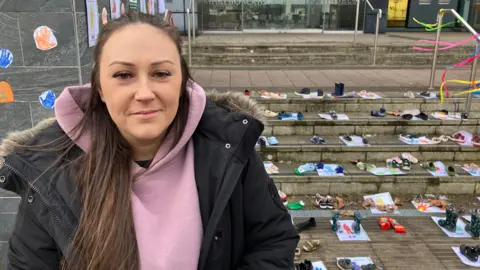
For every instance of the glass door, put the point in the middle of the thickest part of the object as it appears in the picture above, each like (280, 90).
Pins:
(264, 14)
(221, 15)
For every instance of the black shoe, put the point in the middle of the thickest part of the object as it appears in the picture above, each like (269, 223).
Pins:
(308, 265)
(406, 165)
(302, 226)
(469, 252)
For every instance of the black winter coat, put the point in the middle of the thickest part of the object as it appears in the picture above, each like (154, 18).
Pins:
(244, 221)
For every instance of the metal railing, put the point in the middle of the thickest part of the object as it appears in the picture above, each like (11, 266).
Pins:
(190, 22)
(440, 14)
(377, 26)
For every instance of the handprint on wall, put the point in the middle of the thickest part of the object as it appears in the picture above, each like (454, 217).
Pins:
(6, 93)
(44, 38)
(6, 58)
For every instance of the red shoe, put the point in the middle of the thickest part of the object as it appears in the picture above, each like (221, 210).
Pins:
(396, 226)
(458, 137)
(384, 223)
(476, 140)
(246, 93)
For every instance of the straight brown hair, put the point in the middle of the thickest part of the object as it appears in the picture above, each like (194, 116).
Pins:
(105, 236)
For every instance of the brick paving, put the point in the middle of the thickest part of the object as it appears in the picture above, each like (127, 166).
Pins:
(368, 78)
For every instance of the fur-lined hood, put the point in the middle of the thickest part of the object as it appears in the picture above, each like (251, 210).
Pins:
(231, 101)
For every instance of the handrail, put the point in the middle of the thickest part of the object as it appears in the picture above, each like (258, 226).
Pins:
(192, 8)
(473, 72)
(377, 26)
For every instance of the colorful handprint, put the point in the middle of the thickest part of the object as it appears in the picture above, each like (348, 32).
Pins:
(44, 38)
(6, 93)
(104, 16)
(6, 58)
(47, 99)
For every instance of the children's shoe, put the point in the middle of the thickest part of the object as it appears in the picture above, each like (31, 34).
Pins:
(318, 140)
(344, 264)
(406, 166)
(300, 116)
(339, 170)
(333, 114)
(384, 223)
(396, 226)
(263, 142)
(410, 158)
(282, 115)
(320, 166)
(282, 195)
(469, 252)
(329, 200)
(320, 93)
(302, 226)
(451, 171)
(321, 201)
(246, 92)
(304, 168)
(296, 205)
(303, 92)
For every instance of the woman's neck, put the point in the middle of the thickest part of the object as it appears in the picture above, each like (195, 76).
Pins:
(146, 150)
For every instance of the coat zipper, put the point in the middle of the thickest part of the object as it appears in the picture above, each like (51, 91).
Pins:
(16, 172)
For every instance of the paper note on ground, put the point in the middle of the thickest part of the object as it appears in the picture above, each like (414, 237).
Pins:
(380, 199)
(357, 262)
(442, 116)
(472, 172)
(460, 231)
(467, 218)
(356, 141)
(327, 116)
(345, 232)
(426, 208)
(370, 95)
(318, 265)
(439, 169)
(329, 170)
(93, 22)
(294, 116)
(420, 140)
(387, 171)
(464, 259)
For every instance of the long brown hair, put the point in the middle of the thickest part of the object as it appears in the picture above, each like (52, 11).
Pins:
(105, 236)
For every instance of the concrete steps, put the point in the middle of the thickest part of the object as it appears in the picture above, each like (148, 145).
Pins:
(299, 149)
(295, 147)
(357, 182)
(320, 54)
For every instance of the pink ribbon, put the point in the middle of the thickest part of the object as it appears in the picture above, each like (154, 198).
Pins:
(448, 45)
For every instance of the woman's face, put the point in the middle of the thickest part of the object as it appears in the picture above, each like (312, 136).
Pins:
(140, 81)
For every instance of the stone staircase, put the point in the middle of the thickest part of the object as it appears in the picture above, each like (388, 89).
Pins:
(295, 148)
(318, 55)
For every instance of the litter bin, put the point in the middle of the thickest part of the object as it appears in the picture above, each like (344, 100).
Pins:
(371, 20)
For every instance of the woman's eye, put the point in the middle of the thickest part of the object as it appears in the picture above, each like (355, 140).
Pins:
(161, 74)
(123, 76)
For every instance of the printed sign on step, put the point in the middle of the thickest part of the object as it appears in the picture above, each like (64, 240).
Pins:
(345, 232)
(460, 231)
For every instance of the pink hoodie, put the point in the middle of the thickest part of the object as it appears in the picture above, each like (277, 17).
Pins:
(165, 205)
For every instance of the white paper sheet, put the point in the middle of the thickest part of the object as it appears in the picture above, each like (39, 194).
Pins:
(440, 169)
(318, 265)
(327, 116)
(419, 141)
(472, 172)
(379, 199)
(358, 261)
(161, 6)
(356, 141)
(426, 208)
(115, 9)
(464, 259)
(93, 22)
(345, 232)
(387, 171)
(459, 233)
(329, 170)
(374, 96)
(441, 116)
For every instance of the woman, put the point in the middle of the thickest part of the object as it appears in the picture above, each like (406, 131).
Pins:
(141, 170)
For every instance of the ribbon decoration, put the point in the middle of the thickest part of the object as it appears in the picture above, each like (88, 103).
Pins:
(449, 45)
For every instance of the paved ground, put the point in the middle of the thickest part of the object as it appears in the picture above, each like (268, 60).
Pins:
(353, 78)
(425, 246)
(384, 39)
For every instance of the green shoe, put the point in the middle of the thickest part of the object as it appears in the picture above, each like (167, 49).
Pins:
(296, 205)
(299, 171)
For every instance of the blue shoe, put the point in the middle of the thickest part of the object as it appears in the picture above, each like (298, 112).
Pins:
(339, 170)
(318, 140)
(300, 116)
(282, 115)
(320, 166)
(303, 92)
(339, 88)
(319, 92)
(272, 140)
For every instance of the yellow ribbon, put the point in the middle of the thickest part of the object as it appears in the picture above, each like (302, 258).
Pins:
(460, 82)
